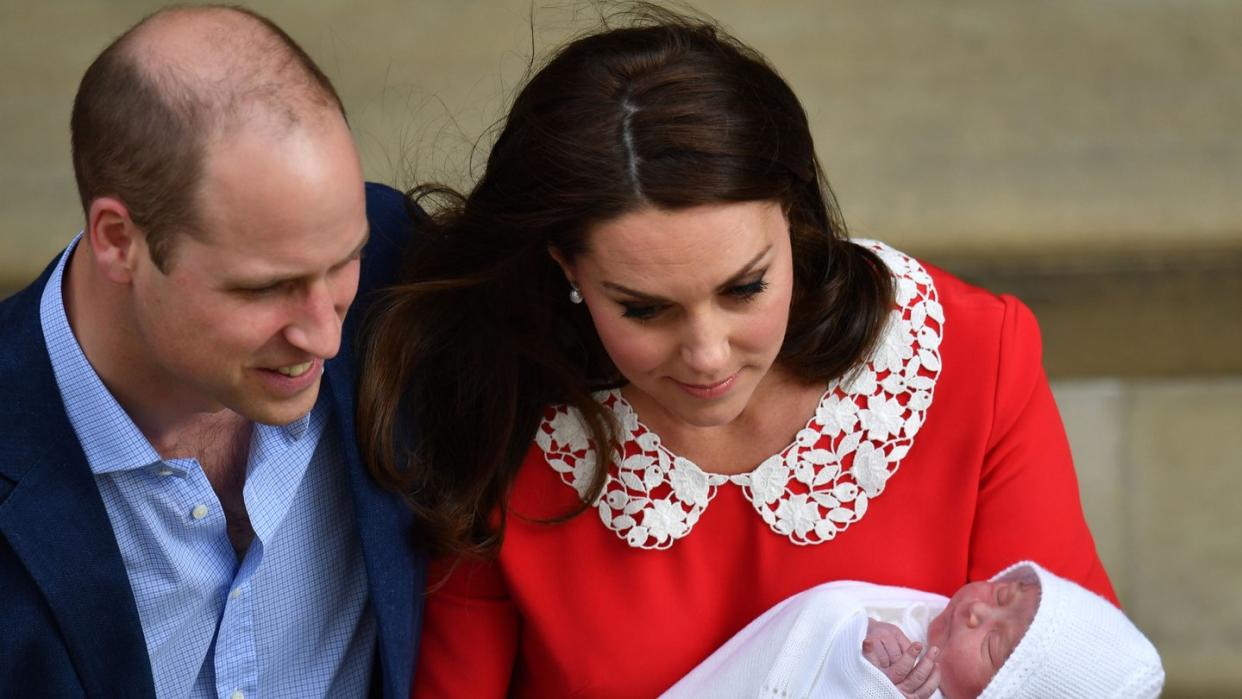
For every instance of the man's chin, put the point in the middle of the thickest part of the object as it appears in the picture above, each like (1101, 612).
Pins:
(281, 412)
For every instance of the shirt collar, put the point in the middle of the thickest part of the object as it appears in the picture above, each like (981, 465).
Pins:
(109, 437)
(294, 431)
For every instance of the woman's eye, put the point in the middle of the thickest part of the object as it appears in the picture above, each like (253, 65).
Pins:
(640, 312)
(745, 292)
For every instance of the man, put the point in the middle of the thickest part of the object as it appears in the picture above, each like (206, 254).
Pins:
(182, 509)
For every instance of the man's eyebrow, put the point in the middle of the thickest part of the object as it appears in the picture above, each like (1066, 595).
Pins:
(366, 238)
(279, 279)
(731, 281)
(353, 254)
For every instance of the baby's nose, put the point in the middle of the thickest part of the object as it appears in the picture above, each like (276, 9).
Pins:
(976, 612)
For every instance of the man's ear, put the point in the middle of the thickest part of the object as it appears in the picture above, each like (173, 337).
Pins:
(566, 268)
(115, 240)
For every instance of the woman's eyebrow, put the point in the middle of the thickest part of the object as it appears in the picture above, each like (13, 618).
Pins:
(746, 269)
(732, 280)
(639, 295)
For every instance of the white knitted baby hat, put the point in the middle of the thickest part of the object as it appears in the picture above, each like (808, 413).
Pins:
(1079, 645)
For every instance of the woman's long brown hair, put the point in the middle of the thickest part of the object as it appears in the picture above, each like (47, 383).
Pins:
(464, 356)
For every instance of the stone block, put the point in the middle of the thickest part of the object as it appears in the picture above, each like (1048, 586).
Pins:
(1183, 477)
(1093, 412)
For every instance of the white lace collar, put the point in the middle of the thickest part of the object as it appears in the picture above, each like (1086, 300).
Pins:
(812, 489)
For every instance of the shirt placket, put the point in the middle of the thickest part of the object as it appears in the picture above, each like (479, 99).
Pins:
(197, 546)
(233, 657)
(236, 656)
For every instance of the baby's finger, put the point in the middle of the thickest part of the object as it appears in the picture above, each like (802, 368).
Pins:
(892, 648)
(929, 687)
(870, 652)
(924, 678)
(902, 667)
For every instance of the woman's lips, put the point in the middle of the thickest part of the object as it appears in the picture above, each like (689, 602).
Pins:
(714, 390)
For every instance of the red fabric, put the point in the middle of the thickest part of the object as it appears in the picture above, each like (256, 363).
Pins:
(572, 610)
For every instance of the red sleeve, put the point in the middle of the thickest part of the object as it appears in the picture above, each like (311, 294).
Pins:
(1028, 505)
(470, 634)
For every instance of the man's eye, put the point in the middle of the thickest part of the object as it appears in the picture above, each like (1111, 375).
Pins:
(640, 312)
(745, 292)
(267, 290)
(356, 257)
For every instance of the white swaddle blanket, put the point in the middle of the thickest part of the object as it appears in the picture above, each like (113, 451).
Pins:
(810, 645)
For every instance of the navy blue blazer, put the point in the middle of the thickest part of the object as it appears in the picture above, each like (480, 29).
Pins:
(68, 622)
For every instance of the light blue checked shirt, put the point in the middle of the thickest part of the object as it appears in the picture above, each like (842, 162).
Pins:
(292, 617)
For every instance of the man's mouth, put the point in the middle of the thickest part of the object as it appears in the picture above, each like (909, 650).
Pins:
(294, 370)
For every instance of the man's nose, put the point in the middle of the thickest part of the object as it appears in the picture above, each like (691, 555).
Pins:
(316, 324)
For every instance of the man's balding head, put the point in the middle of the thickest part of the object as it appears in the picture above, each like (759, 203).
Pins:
(180, 80)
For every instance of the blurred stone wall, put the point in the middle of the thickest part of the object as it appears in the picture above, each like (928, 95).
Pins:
(1083, 154)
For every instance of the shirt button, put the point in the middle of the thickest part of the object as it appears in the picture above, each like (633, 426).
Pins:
(165, 471)
(235, 593)
(199, 511)
(237, 694)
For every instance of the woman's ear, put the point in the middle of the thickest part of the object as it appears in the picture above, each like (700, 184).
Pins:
(566, 268)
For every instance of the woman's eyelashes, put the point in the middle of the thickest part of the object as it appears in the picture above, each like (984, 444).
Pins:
(640, 312)
(738, 292)
(748, 291)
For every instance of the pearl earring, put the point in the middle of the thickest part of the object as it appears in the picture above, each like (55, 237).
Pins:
(575, 296)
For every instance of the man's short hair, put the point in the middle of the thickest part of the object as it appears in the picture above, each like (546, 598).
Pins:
(142, 119)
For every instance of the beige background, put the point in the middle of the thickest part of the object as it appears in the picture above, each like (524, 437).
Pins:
(1082, 153)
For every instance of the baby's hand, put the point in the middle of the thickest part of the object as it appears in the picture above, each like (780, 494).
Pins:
(886, 647)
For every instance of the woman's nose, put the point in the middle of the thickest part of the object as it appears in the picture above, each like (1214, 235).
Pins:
(705, 348)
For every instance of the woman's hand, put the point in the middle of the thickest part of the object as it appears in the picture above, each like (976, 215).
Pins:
(886, 647)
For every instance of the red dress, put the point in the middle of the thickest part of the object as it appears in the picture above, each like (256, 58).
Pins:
(942, 461)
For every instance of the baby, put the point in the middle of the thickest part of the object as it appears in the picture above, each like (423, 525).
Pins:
(1024, 633)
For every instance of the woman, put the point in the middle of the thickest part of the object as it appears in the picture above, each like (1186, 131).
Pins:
(648, 309)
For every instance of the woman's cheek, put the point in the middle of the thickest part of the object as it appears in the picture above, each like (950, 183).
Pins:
(633, 348)
(765, 333)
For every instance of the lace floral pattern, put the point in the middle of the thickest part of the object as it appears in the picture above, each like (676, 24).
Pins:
(812, 489)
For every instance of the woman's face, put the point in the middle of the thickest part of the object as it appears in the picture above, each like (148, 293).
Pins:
(691, 304)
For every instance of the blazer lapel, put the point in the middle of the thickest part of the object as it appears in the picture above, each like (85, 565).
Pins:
(54, 519)
(394, 572)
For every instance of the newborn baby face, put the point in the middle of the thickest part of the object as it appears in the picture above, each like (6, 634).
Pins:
(978, 630)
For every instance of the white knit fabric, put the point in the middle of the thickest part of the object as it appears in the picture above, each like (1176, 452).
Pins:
(807, 647)
(1078, 645)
